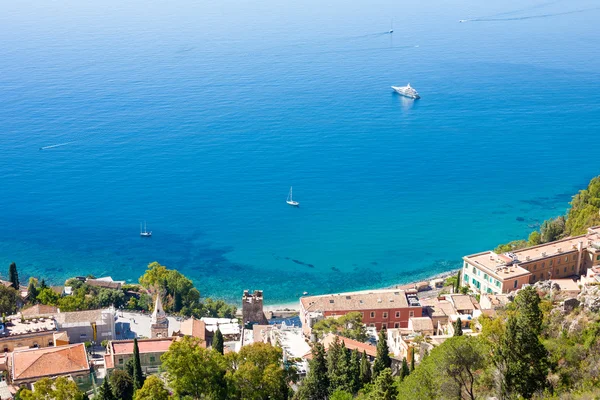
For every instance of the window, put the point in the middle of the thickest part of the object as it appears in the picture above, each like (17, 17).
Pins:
(572, 268)
(566, 258)
(498, 283)
(411, 314)
(557, 271)
(543, 265)
(534, 267)
(396, 325)
(558, 260)
(485, 276)
(574, 257)
(476, 272)
(598, 258)
(120, 361)
(372, 325)
(384, 326)
(372, 314)
(550, 263)
(385, 315)
(152, 359)
(397, 314)
(533, 277)
(565, 269)
(515, 284)
(465, 278)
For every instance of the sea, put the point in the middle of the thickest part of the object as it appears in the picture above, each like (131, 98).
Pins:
(196, 117)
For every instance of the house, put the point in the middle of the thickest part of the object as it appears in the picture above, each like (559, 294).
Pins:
(567, 287)
(195, 328)
(493, 302)
(421, 325)
(446, 309)
(390, 308)
(39, 310)
(104, 284)
(28, 366)
(19, 332)
(85, 326)
(488, 272)
(120, 351)
(351, 344)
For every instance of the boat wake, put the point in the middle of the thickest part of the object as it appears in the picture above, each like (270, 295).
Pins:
(532, 16)
(55, 145)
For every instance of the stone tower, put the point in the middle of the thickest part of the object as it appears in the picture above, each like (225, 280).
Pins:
(252, 308)
(160, 323)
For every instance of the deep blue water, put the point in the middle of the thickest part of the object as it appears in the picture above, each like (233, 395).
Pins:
(198, 116)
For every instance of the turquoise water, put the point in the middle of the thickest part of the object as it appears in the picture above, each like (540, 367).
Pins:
(198, 117)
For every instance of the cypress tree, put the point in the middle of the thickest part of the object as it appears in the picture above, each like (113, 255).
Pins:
(404, 370)
(354, 371)
(383, 359)
(43, 285)
(217, 343)
(412, 360)
(32, 291)
(335, 355)
(385, 387)
(138, 377)
(13, 276)
(458, 278)
(365, 370)
(105, 391)
(458, 327)
(316, 384)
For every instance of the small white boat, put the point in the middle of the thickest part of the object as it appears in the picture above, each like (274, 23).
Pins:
(407, 91)
(144, 232)
(462, 20)
(290, 200)
(391, 27)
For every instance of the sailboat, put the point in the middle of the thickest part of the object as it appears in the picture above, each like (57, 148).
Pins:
(391, 26)
(291, 201)
(144, 233)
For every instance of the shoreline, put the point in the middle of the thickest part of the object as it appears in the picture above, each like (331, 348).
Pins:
(295, 306)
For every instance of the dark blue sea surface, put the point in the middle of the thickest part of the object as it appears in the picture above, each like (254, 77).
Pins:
(198, 116)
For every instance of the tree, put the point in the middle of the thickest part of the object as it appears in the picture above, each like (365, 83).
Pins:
(365, 370)
(458, 327)
(458, 282)
(138, 377)
(153, 389)
(129, 367)
(412, 360)
(383, 360)
(552, 229)
(349, 325)
(32, 290)
(121, 384)
(520, 357)
(13, 276)
(217, 343)
(105, 392)
(341, 395)
(337, 366)
(316, 383)
(8, 300)
(58, 389)
(404, 370)
(534, 239)
(43, 284)
(194, 371)
(385, 387)
(47, 296)
(256, 373)
(459, 359)
(354, 372)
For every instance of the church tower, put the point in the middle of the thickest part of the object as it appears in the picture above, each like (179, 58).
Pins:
(160, 323)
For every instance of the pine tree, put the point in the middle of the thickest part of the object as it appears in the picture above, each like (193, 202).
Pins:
(217, 343)
(13, 276)
(138, 377)
(383, 359)
(336, 355)
(43, 285)
(105, 391)
(458, 327)
(316, 383)
(365, 370)
(354, 371)
(404, 370)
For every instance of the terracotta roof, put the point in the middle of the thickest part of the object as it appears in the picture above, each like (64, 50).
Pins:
(50, 361)
(420, 324)
(39, 309)
(145, 346)
(103, 284)
(350, 344)
(193, 327)
(108, 362)
(438, 308)
(463, 302)
(369, 300)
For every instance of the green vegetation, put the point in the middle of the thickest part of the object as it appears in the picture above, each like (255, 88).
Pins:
(13, 276)
(59, 388)
(217, 344)
(8, 300)
(349, 325)
(584, 213)
(153, 389)
(138, 376)
(121, 384)
(458, 328)
(383, 360)
(105, 392)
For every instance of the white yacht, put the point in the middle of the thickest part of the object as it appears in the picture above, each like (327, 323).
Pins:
(290, 200)
(144, 232)
(407, 91)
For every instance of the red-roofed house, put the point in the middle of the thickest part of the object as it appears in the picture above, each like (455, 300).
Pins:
(195, 328)
(120, 351)
(27, 366)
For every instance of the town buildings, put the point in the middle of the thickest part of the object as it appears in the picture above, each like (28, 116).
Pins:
(159, 327)
(488, 272)
(252, 308)
(87, 326)
(120, 351)
(390, 308)
(28, 366)
(19, 333)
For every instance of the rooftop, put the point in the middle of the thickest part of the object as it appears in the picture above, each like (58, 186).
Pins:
(39, 309)
(463, 302)
(15, 327)
(351, 344)
(145, 346)
(365, 300)
(193, 327)
(420, 324)
(49, 361)
(507, 265)
(75, 317)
